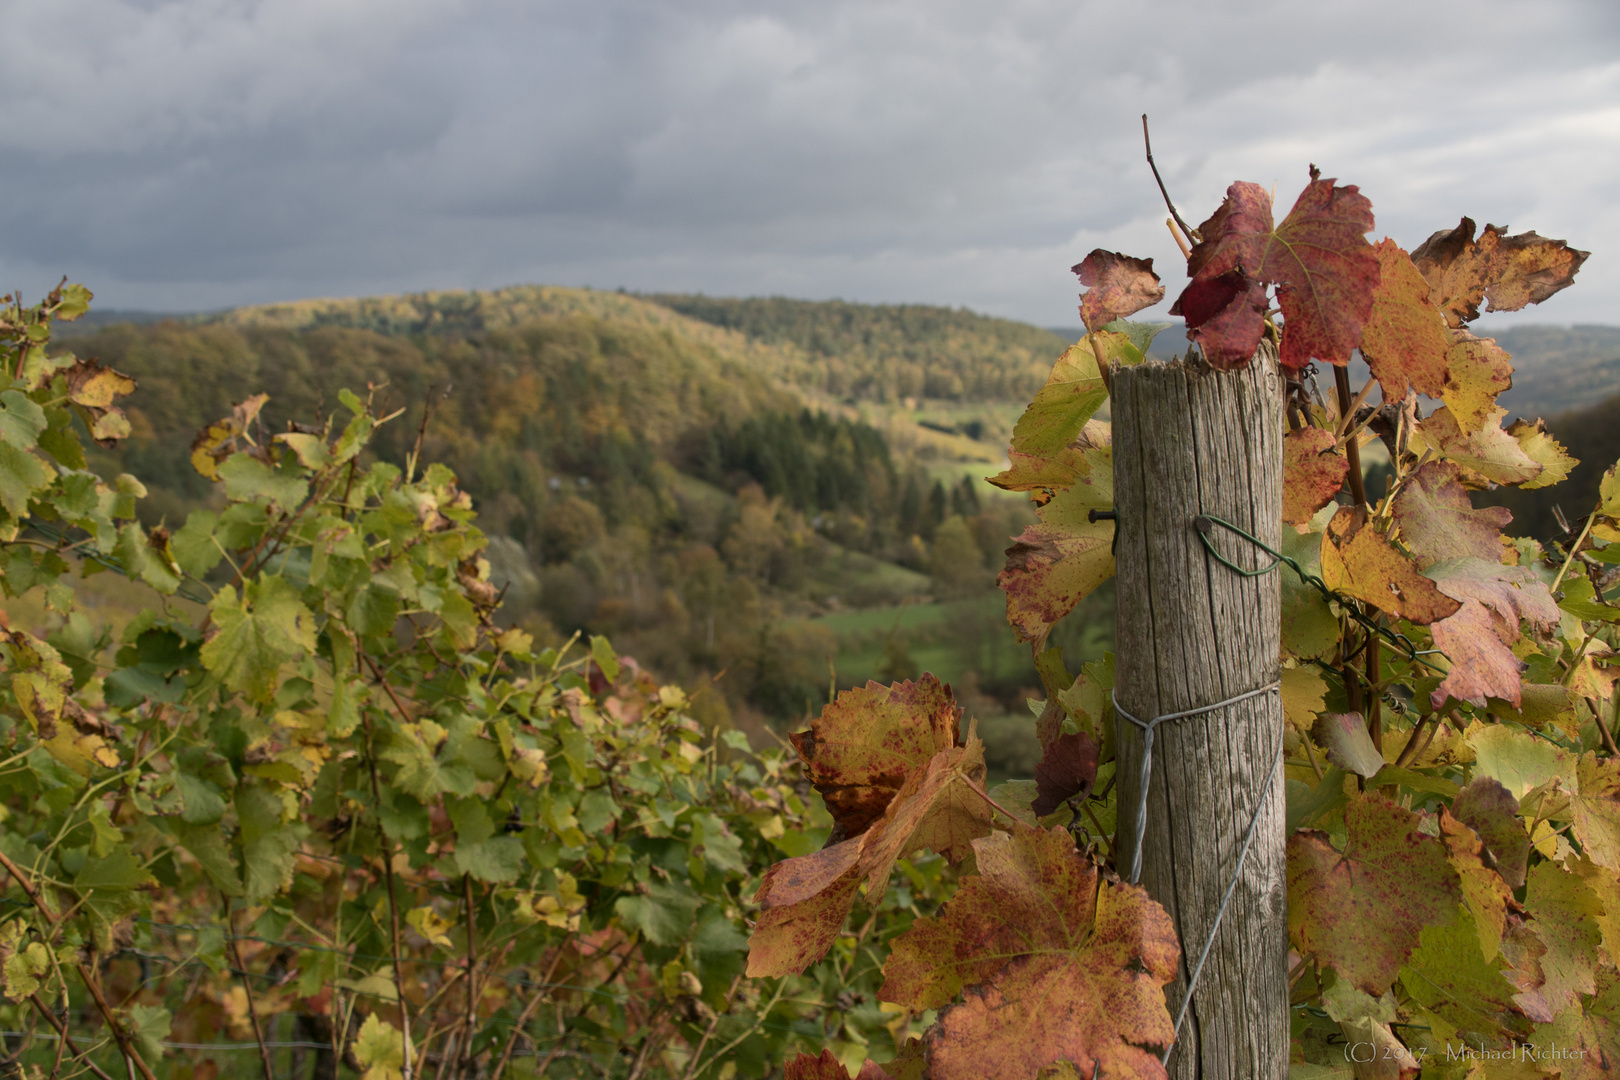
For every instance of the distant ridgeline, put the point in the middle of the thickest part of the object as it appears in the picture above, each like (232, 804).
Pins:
(885, 352)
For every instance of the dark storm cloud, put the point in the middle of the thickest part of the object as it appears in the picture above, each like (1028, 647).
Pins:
(209, 152)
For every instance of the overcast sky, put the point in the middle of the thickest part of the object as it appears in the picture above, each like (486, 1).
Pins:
(203, 153)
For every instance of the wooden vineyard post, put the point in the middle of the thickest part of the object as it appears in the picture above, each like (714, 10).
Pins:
(1190, 441)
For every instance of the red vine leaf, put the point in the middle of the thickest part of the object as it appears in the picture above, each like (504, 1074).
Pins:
(1362, 911)
(1566, 914)
(827, 1067)
(1056, 563)
(1117, 286)
(1482, 665)
(1491, 811)
(1477, 371)
(1313, 472)
(1357, 561)
(1484, 892)
(1404, 340)
(1225, 315)
(1438, 522)
(1508, 271)
(1319, 259)
(1074, 967)
(864, 746)
(1068, 767)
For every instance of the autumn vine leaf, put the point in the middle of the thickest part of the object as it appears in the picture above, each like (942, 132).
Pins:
(1118, 286)
(1510, 272)
(1319, 259)
(1057, 562)
(1313, 472)
(1358, 561)
(891, 744)
(1360, 911)
(864, 746)
(1072, 967)
(1438, 522)
(828, 1067)
(1404, 340)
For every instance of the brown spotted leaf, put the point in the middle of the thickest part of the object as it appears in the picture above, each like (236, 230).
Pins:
(1595, 807)
(1482, 665)
(866, 744)
(1487, 456)
(939, 808)
(1539, 446)
(1492, 812)
(1056, 563)
(1404, 340)
(1588, 1036)
(1508, 271)
(1477, 371)
(827, 1067)
(217, 441)
(1358, 562)
(1313, 472)
(1361, 911)
(1318, 258)
(1073, 967)
(1566, 914)
(1118, 286)
(1068, 767)
(1483, 889)
(92, 389)
(804, 901)
(1438, 522)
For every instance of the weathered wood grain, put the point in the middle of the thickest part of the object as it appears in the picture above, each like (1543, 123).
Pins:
(1189, 440)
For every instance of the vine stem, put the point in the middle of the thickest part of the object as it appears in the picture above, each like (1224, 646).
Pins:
(472, 967)
(64, 1039)
(131, 1055)
(1147, 144)
(985, 795)
(524, 1017)
(393, 903)
(1352, 448)
(247, 987)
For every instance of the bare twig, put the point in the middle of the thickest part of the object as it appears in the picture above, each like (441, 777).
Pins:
(247, 987)
(1175, 234)
(1148, 145)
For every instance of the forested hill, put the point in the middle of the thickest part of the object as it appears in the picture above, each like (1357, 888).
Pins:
(885, 352)
(683, 487)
